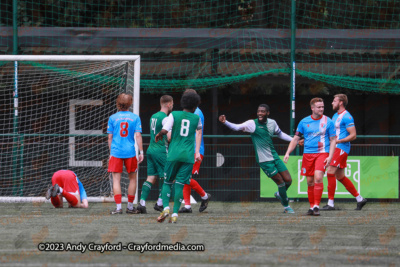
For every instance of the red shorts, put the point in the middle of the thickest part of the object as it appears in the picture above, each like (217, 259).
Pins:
(117, 164)
(66, 180)
(312, 163)
(196, 165)
(339, 159)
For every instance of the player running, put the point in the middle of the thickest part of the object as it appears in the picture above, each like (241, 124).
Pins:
(183, 125)
(122, 129)
(261, 130)
(319, 139)
(345, 133)
(156, 154)
(205, 197)
(66, 184)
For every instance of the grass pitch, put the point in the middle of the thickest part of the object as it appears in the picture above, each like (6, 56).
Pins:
(256, 234)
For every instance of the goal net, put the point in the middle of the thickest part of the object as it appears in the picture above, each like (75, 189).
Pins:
(54, 116)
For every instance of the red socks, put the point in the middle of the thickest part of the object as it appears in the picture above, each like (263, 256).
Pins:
(349, 186)
(186, 193)
(118, 198)
(331, 186)
(130, 199)
(55, 201)
(70, 198)
(318, 189)
(310, 192)
(196, 187)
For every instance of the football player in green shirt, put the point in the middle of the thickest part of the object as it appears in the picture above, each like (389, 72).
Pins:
(156, 154)
(183, 126)
(261, 131)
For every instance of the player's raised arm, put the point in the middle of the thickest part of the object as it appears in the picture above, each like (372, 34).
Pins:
(291, 147)
(247, 126)
(222, 118)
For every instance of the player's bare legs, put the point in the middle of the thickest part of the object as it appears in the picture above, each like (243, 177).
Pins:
(341, 177)
(318, 189)
(310, 193)
(117, 192)
(331, 187)
(131, 192)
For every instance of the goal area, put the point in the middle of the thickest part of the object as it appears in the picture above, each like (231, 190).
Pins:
(55, 116)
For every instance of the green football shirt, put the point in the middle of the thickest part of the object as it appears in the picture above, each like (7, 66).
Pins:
(156, 125)
(262, 140)
(183, 142)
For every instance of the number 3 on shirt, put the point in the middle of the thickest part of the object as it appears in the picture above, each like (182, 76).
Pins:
(185, 127)
(124, 129)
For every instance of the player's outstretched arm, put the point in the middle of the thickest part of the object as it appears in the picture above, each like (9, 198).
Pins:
(284, 136)
(291, 147)
(247, 126)
(139, 141)
(160, 135)
(222, 118)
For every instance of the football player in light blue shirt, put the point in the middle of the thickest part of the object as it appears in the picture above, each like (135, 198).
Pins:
(345, 133)
(123, 128)
(319, 146)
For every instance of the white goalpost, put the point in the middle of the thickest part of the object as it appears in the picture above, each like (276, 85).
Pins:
(59, 109)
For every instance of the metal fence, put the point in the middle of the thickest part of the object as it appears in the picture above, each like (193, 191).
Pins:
(229, 170)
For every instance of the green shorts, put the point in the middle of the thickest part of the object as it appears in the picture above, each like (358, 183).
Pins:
(179, 171)
(271, 168)
(156, 164)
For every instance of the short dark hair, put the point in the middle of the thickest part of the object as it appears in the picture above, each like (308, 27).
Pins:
(190, 100)
(165, 99)
(264, 106)
(189, 90)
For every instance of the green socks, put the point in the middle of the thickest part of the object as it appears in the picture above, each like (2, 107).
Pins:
(145, 190)
(178, 196)
(282, 193)
(166, 193)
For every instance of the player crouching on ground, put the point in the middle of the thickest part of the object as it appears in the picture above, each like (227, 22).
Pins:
(66, 184)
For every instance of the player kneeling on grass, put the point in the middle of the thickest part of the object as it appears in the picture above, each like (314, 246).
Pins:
(261, 131)
(180, 160)
(66, 184)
